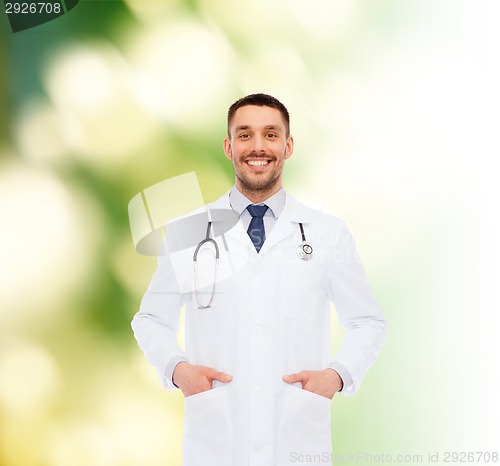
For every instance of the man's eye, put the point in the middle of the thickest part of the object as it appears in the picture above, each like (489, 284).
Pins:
(271, 135)
(243, 136)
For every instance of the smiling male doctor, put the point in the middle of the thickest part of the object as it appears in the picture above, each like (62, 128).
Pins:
(257, 370)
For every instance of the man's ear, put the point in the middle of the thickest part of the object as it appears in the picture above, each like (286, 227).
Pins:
(227, 148)
(289, 147)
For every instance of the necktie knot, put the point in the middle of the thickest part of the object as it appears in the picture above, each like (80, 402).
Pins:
(257, 210)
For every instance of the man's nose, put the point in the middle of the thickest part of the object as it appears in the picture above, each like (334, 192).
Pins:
(258, 144)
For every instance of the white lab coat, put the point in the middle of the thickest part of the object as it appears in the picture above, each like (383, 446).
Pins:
(271, 318)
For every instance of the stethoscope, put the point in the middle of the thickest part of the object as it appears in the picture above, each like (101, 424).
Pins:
(304, 251)
(216, 266)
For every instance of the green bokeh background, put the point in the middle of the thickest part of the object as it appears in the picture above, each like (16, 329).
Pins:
(394, 108)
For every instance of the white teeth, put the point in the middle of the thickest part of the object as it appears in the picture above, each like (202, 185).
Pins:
(257, 163)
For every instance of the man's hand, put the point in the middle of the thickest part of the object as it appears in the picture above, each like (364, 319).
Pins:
(325, 383)
(196, 379)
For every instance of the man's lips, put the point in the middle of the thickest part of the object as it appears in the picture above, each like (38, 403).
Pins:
(258, 163)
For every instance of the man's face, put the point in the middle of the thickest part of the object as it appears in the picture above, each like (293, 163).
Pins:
(258, 147)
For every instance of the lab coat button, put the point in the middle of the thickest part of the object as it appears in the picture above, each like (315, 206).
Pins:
(256, 389)
(257, 329)
(257, 450)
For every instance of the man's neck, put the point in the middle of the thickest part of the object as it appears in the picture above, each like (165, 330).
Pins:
(258, 196)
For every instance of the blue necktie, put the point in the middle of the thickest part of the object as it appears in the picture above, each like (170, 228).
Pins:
(256, 227)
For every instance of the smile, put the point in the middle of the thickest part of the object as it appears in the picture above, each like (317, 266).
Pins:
(257, 163)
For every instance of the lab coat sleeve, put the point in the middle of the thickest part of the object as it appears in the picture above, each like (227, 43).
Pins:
(156, 324)
(357, 310)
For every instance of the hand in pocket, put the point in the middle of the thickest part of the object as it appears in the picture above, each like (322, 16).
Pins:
(324, 383)
(196, 379)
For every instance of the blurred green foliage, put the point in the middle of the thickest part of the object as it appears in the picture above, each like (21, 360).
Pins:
(87, 122)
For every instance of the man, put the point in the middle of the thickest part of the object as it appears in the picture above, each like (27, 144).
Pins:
(257, 372)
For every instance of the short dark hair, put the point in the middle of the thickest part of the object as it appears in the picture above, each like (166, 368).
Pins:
(261, 100)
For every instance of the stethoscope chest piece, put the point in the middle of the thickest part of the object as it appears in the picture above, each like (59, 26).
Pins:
(304, 251)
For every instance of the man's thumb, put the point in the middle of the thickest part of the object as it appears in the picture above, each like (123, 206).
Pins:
(221, 376)
(292, 378)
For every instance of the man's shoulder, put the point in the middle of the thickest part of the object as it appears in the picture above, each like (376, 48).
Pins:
(220, 203)
(314, 215)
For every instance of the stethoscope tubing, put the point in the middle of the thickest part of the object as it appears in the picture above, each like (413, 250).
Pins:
(216, 266)
(304, 251)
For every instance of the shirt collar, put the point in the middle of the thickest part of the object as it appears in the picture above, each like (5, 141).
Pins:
(239, 202)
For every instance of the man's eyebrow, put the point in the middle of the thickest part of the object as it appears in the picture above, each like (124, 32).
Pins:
(247, 127)
(277, 128)
(242, 128)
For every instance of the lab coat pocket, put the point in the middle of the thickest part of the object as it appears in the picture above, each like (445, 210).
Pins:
(304, 430)
(207, 429)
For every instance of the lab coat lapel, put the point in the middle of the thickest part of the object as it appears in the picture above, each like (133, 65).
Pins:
(239, 234)
(293, 213)
(287, 224)
(236, 233)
